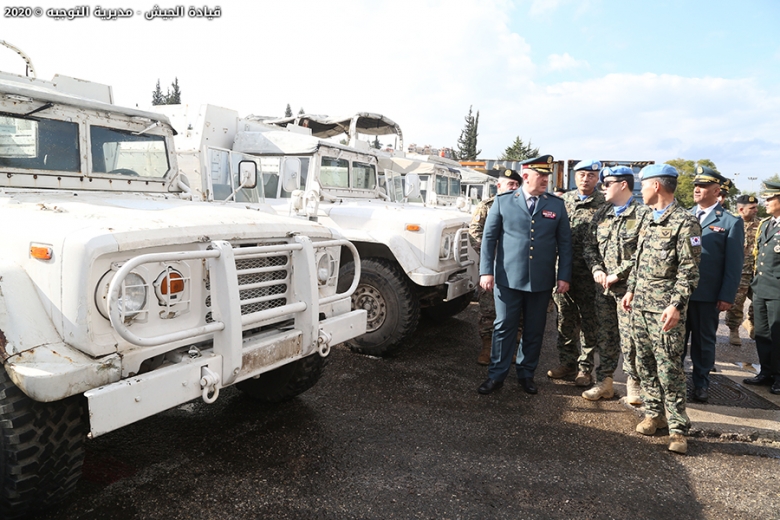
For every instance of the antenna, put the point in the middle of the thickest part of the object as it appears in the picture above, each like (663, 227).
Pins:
(30, 68)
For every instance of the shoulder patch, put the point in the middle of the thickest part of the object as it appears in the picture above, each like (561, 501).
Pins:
(696, 241)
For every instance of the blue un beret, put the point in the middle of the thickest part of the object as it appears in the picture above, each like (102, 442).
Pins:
(657, 170)
(589, 164)
(615, 171)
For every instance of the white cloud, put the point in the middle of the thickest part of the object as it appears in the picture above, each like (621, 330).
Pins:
(542, 7)
(560, 62)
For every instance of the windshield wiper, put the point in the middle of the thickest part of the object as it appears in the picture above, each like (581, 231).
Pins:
(39, 109)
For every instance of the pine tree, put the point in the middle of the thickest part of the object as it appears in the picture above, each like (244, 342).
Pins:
(158, 98)
(301, 111)
(519, 151)
(376, 144)
(288, 111)
(174, 94)
(467, 142)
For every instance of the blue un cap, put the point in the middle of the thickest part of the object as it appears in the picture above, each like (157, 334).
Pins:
(590, 164)
(615, 171)
(657, 170)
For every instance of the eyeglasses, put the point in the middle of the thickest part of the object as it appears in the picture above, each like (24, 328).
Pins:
(607, 184)
(589, 175)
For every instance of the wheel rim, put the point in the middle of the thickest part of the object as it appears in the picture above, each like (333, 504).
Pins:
(370, 299)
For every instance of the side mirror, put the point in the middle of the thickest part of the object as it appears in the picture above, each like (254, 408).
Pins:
(411, 186)
(247, 173)
(291, 172)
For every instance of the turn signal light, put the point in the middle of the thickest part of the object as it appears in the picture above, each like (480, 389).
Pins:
(172, 284)
(41, 252)
(412, 227)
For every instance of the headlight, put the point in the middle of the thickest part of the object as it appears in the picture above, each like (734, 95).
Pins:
(132, 295)
(446, 247)
(326, 268)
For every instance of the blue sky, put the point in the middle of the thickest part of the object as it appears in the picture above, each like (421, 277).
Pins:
(630, 79)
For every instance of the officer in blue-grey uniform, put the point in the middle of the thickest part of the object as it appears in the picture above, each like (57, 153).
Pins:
(526, 231)
(722, 243)
(766, 292)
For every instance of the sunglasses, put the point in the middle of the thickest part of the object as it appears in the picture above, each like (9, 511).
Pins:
(607, 184)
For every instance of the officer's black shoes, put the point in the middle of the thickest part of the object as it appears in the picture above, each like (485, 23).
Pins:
(776, 387)
(760, 380)
(701, 394)
(528, 385)
(489, 386)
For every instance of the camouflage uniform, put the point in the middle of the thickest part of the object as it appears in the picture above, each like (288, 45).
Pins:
(734, 315)
(666, 273)
(487, 306)
(576, 308)
(611, 249)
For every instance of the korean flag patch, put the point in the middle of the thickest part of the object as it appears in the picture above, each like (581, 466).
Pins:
(696, 241)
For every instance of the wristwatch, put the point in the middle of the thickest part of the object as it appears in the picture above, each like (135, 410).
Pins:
(680, 306)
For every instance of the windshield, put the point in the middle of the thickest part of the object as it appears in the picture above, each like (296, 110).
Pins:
(39, 145)
(334, 173)
(126, 153)
(454, 186)
(363, 176)
(441, 185)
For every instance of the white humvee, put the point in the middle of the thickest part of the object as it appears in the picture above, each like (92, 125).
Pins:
(411, 257)
(120, 299)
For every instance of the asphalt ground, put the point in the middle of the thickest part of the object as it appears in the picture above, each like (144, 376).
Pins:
(409, 437)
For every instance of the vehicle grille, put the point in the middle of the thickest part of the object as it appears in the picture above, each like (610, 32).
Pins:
(263, 282)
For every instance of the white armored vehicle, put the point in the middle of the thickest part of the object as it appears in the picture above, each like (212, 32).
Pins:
(412, 257)
(119, 299)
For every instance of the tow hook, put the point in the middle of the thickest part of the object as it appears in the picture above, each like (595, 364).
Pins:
(323, 343)
(209, 382)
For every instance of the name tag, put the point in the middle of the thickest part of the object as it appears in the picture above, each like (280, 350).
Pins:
(717, 229)
(548, 214)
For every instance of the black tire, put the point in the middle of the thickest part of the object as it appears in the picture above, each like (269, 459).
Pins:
(285, 382)
(41, 450)
(391, 301)
(445, 310)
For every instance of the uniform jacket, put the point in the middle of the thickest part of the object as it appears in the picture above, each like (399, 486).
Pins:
(611, 245)
(667, 261)
(581, 214)
(477, 225)
(751, 231)
(521, 249)
(722, 256)
(766, 283)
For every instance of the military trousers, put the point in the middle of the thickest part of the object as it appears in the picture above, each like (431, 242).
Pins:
(735, 315)
(613, 337)
(701, 326)
(577, 323)
(768, 335)
(661, 375)
(510, 304)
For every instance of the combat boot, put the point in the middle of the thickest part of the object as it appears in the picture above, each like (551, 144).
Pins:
(484, 354)
(678, 443)
(633, 394)
(734, 338)
(583, 379)
(749, 328)
(649, 424)
(561, 372)
(602, 389)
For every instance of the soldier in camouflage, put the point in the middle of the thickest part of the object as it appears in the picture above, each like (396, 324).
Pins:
(665, 274)
(609, 254)
(747, 208)
(576, 308)
(508, 180)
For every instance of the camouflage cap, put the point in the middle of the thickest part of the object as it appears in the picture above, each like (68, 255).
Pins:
(771, 189)
(706, 175)
(747, 199)
(589, 164)
(542, 164)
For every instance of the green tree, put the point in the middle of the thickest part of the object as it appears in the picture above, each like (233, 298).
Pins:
(301, 111)
(375, 143)
(467, 142)
(687, 171)
(288, 111)
(519, 151)
(158, 98)
(173, 97)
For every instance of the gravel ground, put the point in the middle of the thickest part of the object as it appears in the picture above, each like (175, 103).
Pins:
(409, 437)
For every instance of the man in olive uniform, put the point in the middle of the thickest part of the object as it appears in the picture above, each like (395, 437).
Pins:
(722, 242)
(526, 231)
(665, 273)
(766, 292)
(576, 309)
(508, 180)
(747, 208)
(609, 253)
